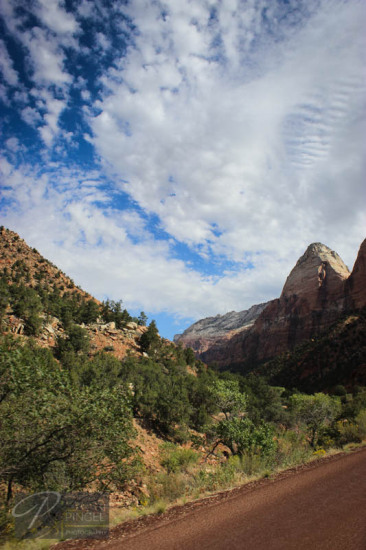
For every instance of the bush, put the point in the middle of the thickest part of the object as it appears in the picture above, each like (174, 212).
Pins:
(70, 436)
(292, 448)
(177, 459)
(361, 422)
(348, 432)
(241, 436)
(221, 476)
(166, 487)
(315, 411)
(77, 341)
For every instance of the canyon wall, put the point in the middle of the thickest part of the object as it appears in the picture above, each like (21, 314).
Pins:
(317, 292)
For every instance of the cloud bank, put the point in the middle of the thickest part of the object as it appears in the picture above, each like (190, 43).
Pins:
(183, 155)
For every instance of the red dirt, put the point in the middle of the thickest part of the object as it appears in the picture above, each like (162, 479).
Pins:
(321, 505)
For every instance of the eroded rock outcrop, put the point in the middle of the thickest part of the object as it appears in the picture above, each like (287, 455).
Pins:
(317, 292)
(311, 300)
(318, 277)
(355, 288)
(217, 331)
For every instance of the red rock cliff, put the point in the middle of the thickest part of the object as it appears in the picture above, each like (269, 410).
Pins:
(317, 292)
(355, 288)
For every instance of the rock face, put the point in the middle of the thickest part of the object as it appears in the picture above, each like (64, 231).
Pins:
(317, 277)
(213, 331)
(311, 300)
(317, 292)
(356, 284)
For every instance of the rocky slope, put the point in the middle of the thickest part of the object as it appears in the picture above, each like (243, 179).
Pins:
(20, 263)
(317, 292)
(204, 334)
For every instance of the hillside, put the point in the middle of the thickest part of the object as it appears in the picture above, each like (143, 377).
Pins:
(90, 371)
(39, 300)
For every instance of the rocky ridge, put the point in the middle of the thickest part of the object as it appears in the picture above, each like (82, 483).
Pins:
(317, 292)
(204, 333)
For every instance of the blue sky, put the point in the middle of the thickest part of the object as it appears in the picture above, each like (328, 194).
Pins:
(181, 156)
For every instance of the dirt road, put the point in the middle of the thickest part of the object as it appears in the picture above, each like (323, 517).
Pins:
(321, 506)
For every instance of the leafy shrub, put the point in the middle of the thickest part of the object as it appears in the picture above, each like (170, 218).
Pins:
(77, 340)
(348, 432)
(243, 437)
(221, 476)
(292, 449)
(70, 436)
(315, 411)
(361, 423)
(166, 487)
(176, 458)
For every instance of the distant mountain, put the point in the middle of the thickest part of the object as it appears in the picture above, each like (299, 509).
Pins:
(318, 292)
(204, 334)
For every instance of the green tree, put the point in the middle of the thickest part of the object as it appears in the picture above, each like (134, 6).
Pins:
(112, 312)
(89, 312)
(150, 340)
(27, 305)
(264, 401)
(235, 430)
(315, 411)
(142, 319)
(56, 435)
(201, 398)
(189, 356)
(229, 398)
(102, 370)
(77, 341)
(4, 298)
(242, 436)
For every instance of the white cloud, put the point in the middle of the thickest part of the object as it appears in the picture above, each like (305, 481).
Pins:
(85, 95)
(51, 127)
(102, 42)
(116, 254)
(229, 132)
(86, 8)
(4, 95)
(31, 116)
(46, 58)
(55, 17)
(6, 66)
(45, 61)
(12, 144)
(239, 125)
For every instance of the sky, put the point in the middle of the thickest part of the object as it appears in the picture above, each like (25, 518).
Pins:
(181, 155)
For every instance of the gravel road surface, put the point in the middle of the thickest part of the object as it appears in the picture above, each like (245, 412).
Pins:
(317, 506)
